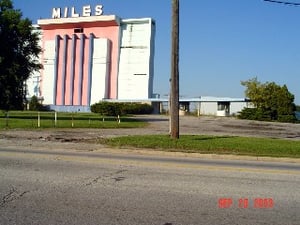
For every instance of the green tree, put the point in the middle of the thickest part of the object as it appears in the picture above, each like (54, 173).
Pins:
(272, 102)
(34, 105)
(254, 91)
(19, 52)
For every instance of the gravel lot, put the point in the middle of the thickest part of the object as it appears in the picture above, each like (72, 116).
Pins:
(158, 124)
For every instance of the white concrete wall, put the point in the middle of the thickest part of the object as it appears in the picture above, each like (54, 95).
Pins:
(236, 107)
(101, 62)
(209, 108)
(48, 72)
(33, 85)
(33, 82)
(135, 75)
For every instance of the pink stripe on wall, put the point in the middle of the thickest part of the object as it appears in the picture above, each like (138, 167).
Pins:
(68, 72)
(76, 74)
(85, 71)
(60, 82)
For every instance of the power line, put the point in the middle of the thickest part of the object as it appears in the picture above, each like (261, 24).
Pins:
(282, 2)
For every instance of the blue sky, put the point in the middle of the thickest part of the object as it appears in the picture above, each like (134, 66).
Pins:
(222, 42)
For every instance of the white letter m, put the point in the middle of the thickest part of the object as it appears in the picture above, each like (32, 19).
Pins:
(55, 13)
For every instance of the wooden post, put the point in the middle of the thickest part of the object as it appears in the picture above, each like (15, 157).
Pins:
(39, 120)
(55, 119)
(174, 104)
(6, 119)
(72, 120)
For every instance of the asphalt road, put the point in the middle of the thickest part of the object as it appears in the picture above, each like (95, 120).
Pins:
(70, 187)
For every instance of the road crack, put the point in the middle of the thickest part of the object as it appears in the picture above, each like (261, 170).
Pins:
(94, 181)
(11, 196)
(118, 178)
(107, 177)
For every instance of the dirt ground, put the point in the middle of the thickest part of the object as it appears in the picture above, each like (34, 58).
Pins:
(158, 124)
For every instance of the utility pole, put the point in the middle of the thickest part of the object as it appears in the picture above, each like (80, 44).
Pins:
(174, 99)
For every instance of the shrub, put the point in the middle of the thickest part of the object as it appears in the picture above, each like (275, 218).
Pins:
(287, 118)
(254, 114)
(265, 115)
(34, 105)
(107, 108)
(137, 108)
(116, 108)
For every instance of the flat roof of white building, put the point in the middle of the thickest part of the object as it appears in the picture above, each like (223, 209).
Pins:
(199, 99)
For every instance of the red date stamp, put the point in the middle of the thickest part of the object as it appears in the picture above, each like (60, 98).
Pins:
(244, 203)
(263, 203)
(225, 203)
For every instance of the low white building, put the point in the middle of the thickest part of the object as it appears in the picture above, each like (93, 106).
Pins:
(204, 105)
(217, 106)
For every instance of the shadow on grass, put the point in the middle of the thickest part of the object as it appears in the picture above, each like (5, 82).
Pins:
(151, 119)
(211, 138)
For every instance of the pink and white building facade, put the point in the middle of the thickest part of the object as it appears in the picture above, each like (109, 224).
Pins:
(88, 57)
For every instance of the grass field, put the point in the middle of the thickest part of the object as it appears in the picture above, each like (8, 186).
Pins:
(212, 145)
(31, 120)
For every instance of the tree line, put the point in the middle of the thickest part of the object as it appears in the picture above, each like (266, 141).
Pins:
(19, 51)
(270, 101)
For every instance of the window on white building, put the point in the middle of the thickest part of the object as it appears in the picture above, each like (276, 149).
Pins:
(223, 106)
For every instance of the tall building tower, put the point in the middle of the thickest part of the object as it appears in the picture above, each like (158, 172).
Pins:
(88, 57)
